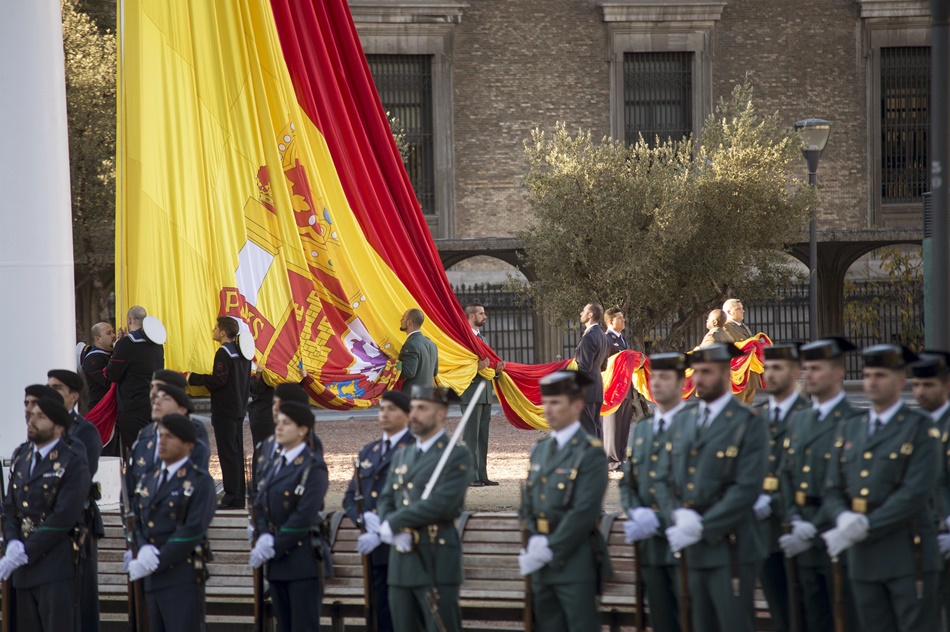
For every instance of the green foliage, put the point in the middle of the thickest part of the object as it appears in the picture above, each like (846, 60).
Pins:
(901, 290)
(90, 99)
(399, 135)
(665, 232)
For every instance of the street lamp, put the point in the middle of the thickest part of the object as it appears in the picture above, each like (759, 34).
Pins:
(814, 136)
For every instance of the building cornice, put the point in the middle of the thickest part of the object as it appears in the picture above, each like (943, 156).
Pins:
(418, 12)
(660, 11)
(894, 8)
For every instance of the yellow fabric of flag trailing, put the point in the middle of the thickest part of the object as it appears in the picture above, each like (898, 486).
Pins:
(258, 178)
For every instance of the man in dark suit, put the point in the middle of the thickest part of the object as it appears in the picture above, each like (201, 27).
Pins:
(419, 358)
(591, 354)
(229, 383)
(736, 327)
(70, 385)
(95, 360)
(134, 359)
(476, 430)
(617, 425)
(374, 460)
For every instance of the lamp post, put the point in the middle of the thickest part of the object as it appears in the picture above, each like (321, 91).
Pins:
(814, 136)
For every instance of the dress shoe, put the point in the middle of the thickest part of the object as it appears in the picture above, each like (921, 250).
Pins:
(476, 484)
(490, 483)
(231, 505)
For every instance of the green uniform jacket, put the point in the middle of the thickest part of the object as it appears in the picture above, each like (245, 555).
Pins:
(469, 392)
(942, 493)
(645, 483)
(777, 432)
(697, 466)
(401, 505)
(420, 362)
(807, 456)
(867, 468)
(571, 523)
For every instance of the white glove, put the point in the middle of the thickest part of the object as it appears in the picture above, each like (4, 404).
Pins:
(7, 566)
(16, 552)
(836, 542)
(367, 542)
(137, 570)
(792, 545)
(646, 517)
(126, 558)
(634, 532)
(402, 542)
(262, 551)
(762, 507)
(679, 539)
(371, 520)
(689, 522)
(853, 525)
(386, 533)
(803, 530)
(536, 557)
(943, 541)
(148, 555)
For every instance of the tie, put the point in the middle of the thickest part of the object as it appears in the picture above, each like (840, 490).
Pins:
(552, 447)
(875, 426)
(704, 422)
(163, 480)
(777, 417)
(662, 427)
(37, 457)
(281, 463)
(623, 343)
(817, 411)
(386, 447)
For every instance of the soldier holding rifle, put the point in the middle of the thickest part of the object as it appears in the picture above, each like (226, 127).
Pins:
(287, 509)
(884, 467)
(173, 509)
(49, 481)
(718, 456)
(368, 483)
(417, 518)
(644, 490)
(808, 450)
(565, 555)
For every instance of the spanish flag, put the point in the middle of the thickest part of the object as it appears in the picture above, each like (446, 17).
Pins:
(258, 178)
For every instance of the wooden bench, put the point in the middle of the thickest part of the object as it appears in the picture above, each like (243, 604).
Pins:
(492, 596)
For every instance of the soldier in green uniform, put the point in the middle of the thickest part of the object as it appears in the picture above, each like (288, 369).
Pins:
(566, 555)
(425, 561)
(644, 490)
(931, 380)
(782, 369)
(718, 456)
(882, 475)
(807, 456)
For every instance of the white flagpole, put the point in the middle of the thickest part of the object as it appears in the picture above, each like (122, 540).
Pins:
(455, 438)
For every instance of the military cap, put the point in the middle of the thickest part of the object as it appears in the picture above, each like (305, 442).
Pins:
(718, 352)
(931, 364)
(171, 377)
(288, 392)
(55, 410)
(71, 379)
(888, 356)
(398, 399)
(563, 383)
(181, 427)
(178, 395)
(826, 348)
(299, 413)
(42, 390)
(437, 394)
(673, 361)
(782, 351)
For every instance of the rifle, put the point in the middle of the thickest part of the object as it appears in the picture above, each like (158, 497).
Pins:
(684, 592)
(6, 589)
(368, 601)
(260, 614)
(794, 588)
(837, 592)
(638, 588)
(528, 590)
(138, 614)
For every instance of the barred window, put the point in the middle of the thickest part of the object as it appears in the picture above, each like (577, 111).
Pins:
(404, 84)
(657, 96)
(905, 119)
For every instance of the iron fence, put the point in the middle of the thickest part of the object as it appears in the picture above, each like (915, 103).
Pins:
(875, 312)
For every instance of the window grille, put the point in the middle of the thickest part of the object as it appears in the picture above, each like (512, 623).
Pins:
(905, 102)
(404, 84)
(657, 96)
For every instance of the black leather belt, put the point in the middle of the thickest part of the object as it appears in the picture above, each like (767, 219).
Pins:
(804, 500)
